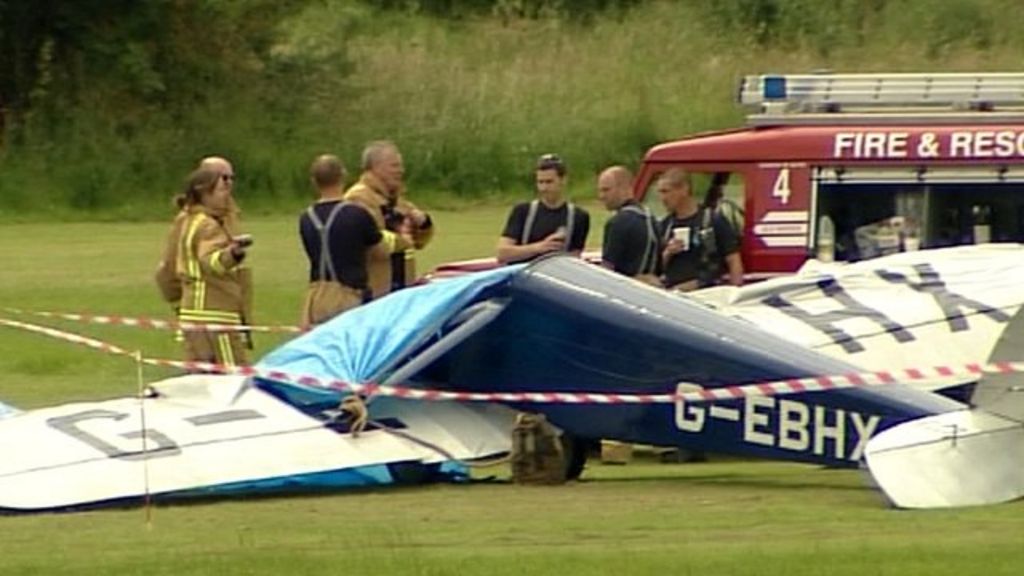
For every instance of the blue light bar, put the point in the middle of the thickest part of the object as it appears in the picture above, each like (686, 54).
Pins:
(774, 87)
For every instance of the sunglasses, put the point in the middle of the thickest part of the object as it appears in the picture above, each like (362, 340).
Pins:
(550, 161)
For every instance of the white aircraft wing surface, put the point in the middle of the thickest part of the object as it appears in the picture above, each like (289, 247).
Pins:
(205, 432)
(963, 458)
(911, 310)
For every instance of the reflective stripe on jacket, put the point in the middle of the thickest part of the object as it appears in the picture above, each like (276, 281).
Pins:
(370, 194)
(212, 285)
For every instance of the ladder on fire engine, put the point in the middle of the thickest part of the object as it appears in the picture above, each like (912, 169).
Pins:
(826, 98)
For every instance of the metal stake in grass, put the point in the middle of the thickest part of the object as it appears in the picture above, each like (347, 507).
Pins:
(147, 501)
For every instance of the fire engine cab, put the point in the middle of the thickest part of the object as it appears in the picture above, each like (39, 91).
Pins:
(851, 166)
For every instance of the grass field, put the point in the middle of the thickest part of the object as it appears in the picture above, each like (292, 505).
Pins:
(722, 517)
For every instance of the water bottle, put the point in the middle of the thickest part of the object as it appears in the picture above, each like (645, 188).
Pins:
(826, 240)
(911, 240)
(982, 224)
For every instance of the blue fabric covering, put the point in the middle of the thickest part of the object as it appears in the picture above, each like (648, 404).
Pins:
(362, 476)
(351, 477)
(362, 344)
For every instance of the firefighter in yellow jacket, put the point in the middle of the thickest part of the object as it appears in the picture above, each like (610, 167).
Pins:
(167, 280)
(339, 238)
(208, 265)
(380, 190)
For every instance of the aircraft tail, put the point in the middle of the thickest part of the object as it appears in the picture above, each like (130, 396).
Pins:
(962, 458)
(1003, 393)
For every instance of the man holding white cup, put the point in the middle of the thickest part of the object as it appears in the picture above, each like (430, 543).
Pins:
(682, 234)
(700, 246)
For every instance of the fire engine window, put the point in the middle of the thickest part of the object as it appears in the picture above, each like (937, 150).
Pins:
(724, 190)
(653, 200)
(877, 218)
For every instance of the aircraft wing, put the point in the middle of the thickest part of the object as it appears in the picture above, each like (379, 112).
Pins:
(963, 458)
(947, 307)
(208, 434)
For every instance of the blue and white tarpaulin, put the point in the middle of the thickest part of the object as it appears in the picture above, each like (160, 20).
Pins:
(363, 344)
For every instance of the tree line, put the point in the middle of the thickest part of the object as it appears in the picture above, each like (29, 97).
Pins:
(167, 54)
(103, 101)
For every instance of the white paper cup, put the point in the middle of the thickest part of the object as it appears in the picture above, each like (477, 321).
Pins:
(682, 233)
(911, 244)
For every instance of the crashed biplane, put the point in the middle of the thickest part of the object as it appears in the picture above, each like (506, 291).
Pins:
(600, 356)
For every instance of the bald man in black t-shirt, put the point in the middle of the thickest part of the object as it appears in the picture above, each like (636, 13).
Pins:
(631, 244)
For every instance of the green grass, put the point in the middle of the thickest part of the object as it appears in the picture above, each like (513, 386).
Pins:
(723, 517)
(645, 518)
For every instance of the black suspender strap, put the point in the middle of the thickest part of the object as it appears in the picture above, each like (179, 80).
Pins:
(531, 216)
(649, 261)
(326, 265)
(570, 224)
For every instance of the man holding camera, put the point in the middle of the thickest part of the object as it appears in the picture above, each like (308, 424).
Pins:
(549, 223)
(381, 192)
(338, 238)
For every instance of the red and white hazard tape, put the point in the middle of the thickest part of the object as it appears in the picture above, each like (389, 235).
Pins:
(68, 337)
(152, 323)
(774, 388)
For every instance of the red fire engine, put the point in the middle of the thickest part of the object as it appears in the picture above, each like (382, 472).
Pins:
(855, 165)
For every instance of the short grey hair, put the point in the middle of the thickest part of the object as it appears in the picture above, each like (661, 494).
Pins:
(374, 151)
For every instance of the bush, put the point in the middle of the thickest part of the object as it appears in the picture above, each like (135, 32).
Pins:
(471, 100)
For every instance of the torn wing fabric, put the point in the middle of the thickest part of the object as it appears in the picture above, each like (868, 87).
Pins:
(204, 436)
(911, 310)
